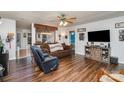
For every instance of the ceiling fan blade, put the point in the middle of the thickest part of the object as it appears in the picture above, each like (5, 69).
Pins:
(58, 17)
(73, 18)
(69, 21)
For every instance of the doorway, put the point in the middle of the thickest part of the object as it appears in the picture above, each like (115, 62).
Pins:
(23, 43)
(72, 39)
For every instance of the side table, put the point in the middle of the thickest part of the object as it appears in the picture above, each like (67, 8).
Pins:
(1, 72)
(4, 57)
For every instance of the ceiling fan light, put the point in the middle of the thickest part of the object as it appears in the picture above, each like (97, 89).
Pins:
(65, 23)
(61, 23)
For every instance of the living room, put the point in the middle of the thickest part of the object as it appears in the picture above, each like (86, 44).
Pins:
(69, 44)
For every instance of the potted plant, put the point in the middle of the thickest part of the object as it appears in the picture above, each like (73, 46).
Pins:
(1, 46)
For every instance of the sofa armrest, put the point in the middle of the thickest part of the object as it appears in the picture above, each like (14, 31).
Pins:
(68, 47)
(45, 55)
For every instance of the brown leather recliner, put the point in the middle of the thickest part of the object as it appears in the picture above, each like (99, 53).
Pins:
(60, 53)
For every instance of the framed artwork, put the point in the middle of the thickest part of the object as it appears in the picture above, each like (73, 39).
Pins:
(81, 36)
(121, 35)
(81, 30)
(119, 25)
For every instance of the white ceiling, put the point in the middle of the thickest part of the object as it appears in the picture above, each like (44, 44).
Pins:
(25, 18)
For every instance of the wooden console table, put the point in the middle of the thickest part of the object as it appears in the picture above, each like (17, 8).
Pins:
(4, 62)
(98, 53)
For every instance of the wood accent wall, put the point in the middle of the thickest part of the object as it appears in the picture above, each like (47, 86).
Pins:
(43, 28)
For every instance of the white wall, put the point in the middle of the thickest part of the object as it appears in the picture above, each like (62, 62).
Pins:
(117, 47)
(64, 31)
(9, 26)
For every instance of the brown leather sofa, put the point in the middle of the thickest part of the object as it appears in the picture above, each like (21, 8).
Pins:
(60, 53)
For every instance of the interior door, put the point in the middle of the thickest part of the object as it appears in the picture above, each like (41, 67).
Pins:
(72, 39)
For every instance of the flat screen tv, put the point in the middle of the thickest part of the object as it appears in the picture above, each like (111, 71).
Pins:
(99, 36)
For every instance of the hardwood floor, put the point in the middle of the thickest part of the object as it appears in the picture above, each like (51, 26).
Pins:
(22, 53)
(71, 69)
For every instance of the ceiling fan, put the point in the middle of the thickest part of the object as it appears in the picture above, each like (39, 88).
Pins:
(64, 20)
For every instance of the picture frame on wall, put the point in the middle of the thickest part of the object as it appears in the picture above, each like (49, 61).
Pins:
(81, 36)
(121, 35)
(81, 30)
(119, 25)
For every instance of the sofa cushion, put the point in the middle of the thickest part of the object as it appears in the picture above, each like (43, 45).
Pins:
(55, 47)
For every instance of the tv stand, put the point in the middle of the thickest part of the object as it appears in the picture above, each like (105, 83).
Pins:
(98, 53)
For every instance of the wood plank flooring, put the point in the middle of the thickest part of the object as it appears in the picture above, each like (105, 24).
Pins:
(71, 69)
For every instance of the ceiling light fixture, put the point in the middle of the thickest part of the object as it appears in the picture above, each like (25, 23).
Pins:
(64, 20)
(63, 23)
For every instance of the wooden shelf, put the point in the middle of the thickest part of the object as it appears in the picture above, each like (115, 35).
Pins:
(97, 53)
